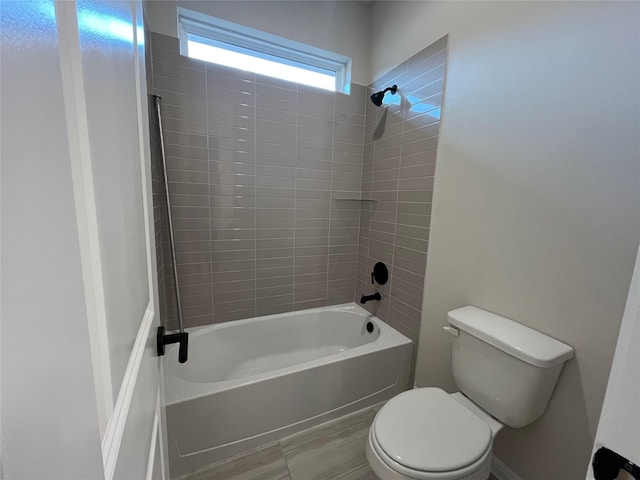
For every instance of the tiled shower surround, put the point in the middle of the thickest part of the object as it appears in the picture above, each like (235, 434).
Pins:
(255, 166)
(266, 179)
(401, 140)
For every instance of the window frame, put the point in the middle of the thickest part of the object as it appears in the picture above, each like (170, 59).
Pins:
(219, 32)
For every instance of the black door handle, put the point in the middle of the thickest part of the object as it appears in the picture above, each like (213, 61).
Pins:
(607, 465)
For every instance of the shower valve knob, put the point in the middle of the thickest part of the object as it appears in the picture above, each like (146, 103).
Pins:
(380, 274)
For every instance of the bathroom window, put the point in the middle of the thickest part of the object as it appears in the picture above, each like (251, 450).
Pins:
(219, 41)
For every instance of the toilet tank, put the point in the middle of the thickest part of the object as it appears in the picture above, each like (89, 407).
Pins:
(506, 368)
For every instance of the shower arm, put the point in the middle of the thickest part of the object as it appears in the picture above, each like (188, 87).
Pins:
(378, 97)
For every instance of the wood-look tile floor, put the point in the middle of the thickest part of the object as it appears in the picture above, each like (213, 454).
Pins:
(331, 451)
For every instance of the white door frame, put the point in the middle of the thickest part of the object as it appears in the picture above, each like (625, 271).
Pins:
(619, 425)
(112, 417)
(84, 195)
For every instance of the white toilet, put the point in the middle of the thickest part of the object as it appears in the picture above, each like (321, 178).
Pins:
(506, 373)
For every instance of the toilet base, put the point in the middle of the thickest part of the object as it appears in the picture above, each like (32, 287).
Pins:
(385, 472)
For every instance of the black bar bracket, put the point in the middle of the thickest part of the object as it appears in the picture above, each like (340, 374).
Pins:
(607, 465)
(165, 339)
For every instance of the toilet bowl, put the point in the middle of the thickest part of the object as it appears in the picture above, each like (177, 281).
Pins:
(428, 434)
(506, 373)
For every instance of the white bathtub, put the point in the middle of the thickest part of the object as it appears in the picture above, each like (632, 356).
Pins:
(254, 381)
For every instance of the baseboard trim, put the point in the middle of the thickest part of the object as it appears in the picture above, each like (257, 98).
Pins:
(501, 471)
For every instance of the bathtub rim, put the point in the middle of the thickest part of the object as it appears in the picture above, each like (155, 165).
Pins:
(345, 307)
(387, 338)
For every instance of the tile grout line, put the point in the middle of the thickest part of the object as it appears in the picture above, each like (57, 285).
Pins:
(284, 459)
(255, 197)
(206, 106)
(364, 141)
(295, 208)
(331, 194)
(395, 223)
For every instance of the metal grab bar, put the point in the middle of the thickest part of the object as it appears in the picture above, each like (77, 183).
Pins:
(156, 102)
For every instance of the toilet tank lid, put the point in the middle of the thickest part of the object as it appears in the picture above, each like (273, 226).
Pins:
(511, 337)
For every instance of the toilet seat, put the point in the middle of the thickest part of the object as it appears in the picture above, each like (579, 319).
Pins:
(426, 434)
(387, 469)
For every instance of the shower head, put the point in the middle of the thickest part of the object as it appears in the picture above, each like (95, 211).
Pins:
(376, 98)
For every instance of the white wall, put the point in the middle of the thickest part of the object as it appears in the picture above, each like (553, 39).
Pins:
(49, 413)
(535, 212)
(341, 26)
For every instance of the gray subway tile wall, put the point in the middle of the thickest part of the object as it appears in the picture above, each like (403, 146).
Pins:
(256, 167)
(401, 139)
(267, 180)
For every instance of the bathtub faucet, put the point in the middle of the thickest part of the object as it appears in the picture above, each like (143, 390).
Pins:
(366, 298)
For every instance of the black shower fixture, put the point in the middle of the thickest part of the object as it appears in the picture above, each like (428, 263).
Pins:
(376, 98)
